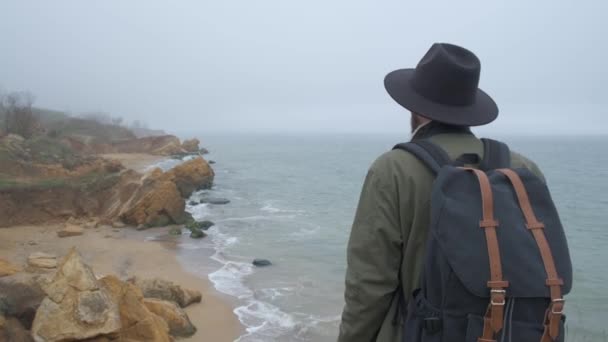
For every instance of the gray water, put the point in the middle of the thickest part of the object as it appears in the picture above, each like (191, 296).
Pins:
(293, 200)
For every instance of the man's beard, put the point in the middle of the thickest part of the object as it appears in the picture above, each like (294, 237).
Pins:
(414, 123)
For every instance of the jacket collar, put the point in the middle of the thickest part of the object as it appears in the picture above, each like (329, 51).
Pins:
(435, 128)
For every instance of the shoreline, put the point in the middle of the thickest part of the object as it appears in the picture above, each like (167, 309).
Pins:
(126, 253)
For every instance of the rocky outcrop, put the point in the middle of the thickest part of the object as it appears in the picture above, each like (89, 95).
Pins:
(12, 330)
(177, 320)
(42, 260)
(70, 229)
(192, 175)
(138, 323)
(164, 145)
(191, 145)
(20, 297)
(166, 290)
(76, 306)
(157, 203)
(6, 268)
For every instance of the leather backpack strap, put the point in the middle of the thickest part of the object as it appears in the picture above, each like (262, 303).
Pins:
(496, 155)
(493, 320)
(555, 311)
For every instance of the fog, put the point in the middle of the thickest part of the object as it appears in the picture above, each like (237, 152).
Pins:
(302, 66)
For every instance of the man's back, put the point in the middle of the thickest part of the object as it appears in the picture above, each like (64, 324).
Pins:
(389, 235)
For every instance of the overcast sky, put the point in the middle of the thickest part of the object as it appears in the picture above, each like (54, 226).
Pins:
(313, 65)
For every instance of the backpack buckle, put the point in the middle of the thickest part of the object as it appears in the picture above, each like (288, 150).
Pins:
(560, 303)
(433, 325)
(497, 293)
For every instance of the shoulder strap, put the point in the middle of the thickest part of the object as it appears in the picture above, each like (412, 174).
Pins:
(433, 156)
(496, 155)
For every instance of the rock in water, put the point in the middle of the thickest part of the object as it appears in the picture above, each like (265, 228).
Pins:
(177, 320)
(216, 201)
(261, 262)
(76, 306)
(42, 260)
(6, 268)
(138, 323)
(211, 162)
(204, 225)
(167, 290)
(197, 234)
(192, 203)
(20, 297)
(70, 230)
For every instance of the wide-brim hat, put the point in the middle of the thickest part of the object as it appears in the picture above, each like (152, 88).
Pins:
(444, 87)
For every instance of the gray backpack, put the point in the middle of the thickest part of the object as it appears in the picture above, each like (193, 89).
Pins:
(497, 263)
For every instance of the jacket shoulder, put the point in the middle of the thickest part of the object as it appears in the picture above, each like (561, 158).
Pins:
(396, 164)
(518, 160)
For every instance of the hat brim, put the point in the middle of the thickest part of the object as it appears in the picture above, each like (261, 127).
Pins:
(483, 111)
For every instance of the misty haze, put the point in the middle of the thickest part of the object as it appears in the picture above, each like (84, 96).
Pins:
(208, 166)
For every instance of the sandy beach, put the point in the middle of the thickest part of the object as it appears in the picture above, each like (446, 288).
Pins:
(124, 252)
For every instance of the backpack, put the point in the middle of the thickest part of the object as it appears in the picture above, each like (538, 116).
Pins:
(497, 262)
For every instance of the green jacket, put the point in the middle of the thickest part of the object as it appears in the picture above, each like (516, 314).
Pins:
(388, 238)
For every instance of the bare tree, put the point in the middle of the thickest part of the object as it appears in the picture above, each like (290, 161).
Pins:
(19, 117)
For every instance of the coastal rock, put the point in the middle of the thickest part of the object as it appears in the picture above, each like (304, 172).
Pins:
(192, 203)
(261, 262)
(203, 151)
(118, 224)
(216, 201)
(177, 320)
(20, 297)
(70, 230)
(191, 145)
(12, 330)
(197, 234)
(167, 290)
(6, 268)
(42, 260)
(211, 162)
(160, 204)
(76, 306)
(195, 174)
(204, 225)
(138, 323)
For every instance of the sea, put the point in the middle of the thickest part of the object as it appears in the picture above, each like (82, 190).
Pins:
(292, 201)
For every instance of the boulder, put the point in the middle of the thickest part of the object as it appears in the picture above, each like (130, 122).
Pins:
(12, 330)
(6, 268)
(204, 225)
(195, 174)
(76, 306)
(211, 162)
(159, 204)
(197, 234)
(177, 320)
(216, 201)
(191, 145)
(20, 297)
(70, 230)
(138, 323)
(261, 262)
(167, 290)
(42, 260)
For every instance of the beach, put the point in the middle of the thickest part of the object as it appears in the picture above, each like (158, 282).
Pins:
(125, 253)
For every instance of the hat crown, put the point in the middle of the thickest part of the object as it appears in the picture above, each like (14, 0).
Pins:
(448, 74)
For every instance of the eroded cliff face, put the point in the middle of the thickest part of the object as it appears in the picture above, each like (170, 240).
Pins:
(107, 193)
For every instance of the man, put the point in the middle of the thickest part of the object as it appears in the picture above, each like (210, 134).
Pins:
(389, 233)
